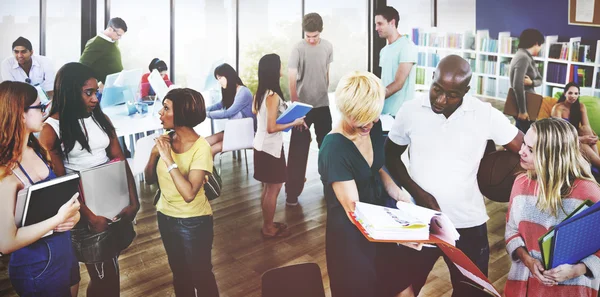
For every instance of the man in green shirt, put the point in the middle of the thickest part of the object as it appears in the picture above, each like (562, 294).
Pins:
(102, 52)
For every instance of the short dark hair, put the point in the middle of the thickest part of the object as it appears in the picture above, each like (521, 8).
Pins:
(530, 37)
(312, 22)
(188, 107)
(158, 64)
(24, 42)
(117, 23)
(388, 13)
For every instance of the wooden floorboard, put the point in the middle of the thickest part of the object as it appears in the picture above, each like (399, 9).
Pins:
(241, 255)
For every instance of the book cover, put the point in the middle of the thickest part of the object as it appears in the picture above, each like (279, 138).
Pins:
(45, 199)
(294, 111)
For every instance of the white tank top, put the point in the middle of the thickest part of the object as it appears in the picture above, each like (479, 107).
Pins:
(270, 143)
(79, 158)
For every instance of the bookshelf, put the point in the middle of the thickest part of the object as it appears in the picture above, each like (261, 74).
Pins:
(558, 62)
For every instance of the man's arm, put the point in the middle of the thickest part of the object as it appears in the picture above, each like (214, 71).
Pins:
(399, 79)
(292, 76)
(398, 171)
(515, 144)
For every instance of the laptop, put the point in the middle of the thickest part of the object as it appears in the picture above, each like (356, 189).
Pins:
(104, 188)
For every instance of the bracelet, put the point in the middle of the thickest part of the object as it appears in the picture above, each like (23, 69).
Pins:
(173, 166)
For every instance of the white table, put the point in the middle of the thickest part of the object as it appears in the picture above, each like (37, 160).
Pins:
(130, 125)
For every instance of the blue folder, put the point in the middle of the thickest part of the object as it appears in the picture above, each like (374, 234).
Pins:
(296, 110)
(576, 237)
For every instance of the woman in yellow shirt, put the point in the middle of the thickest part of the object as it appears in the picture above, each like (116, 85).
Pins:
(181, 162)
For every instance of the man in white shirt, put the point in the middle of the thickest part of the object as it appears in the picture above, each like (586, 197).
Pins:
(447, 132)
(23, 66)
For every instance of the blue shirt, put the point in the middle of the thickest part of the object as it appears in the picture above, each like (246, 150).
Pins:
(402, 50)
(241, 107)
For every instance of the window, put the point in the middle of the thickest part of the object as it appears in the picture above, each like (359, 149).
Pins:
(267, 26)
(413, 14)
(204, 39)
(148, 31)
(63, 23)
(19, 18)
(345, 26)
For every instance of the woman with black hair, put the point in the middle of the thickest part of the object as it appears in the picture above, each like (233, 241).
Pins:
(161, 67)
(78, 135)
(570, 109)
(236, 103)
(269, 160)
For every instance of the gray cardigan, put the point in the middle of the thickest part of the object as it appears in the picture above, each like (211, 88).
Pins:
(522, 64)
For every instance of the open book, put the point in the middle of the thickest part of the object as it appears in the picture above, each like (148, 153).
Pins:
(407, 223)
(412, 223)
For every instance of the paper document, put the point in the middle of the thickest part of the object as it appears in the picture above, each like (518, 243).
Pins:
(584, 11)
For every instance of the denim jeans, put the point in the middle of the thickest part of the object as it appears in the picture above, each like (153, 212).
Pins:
(46, 267)
(188, 242)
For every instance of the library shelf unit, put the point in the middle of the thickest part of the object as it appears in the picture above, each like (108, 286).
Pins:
(558, 62)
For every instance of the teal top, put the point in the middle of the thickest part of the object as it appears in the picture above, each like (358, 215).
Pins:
(103, 56)
(403, 50)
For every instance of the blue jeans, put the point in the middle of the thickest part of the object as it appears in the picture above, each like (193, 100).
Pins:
(47, 267)
(188, 242)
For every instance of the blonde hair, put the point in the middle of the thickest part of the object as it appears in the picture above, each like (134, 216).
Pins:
(359, 96)
(558, 162)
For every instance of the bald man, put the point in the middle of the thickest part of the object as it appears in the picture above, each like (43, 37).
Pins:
(447, 133)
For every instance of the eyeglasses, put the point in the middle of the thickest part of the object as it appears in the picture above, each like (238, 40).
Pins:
(117, 31)
(42, 107)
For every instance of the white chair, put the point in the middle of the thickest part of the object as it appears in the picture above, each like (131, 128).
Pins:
(143, 148)
(238, 135)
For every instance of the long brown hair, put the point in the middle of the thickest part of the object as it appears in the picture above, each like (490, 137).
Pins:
(14, 98)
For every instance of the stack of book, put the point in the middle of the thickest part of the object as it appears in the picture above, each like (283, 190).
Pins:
(581, 75)
(574, 238)
(557, 73)
(508, 45)
(488, 45)
(581, 52)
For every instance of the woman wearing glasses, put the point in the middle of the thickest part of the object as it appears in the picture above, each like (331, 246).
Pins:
(570, 109)
(79, 136)
(39, 266)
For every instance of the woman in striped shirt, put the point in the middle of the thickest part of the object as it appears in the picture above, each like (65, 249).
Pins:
(557, 181)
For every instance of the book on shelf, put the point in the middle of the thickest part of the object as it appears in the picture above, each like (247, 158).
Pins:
(559, 50)
(412, 223)
(556, 73)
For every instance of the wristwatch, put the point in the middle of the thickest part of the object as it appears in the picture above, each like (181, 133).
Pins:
(173, 166)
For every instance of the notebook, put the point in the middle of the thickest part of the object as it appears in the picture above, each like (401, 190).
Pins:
(576, 237)
(42, 201)
(546, 240)
(294, 111)
(105, 189)
(534, 103)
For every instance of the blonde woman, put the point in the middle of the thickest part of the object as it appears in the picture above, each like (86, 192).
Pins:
(558, 180)
(350, 164)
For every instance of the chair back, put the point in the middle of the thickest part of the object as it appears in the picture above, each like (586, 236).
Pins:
(298, 280)
(238, 135)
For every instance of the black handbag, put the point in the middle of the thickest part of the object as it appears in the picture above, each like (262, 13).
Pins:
(92, 247)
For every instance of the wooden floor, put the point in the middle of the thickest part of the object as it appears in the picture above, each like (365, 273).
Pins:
(241, 256)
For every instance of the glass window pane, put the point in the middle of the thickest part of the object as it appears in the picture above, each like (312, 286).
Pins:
(204, 39)
(345, 26)
(267, 26)
(148, 31)
(19, 18)
(63, 22)
(100, 15)
(413, 14)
